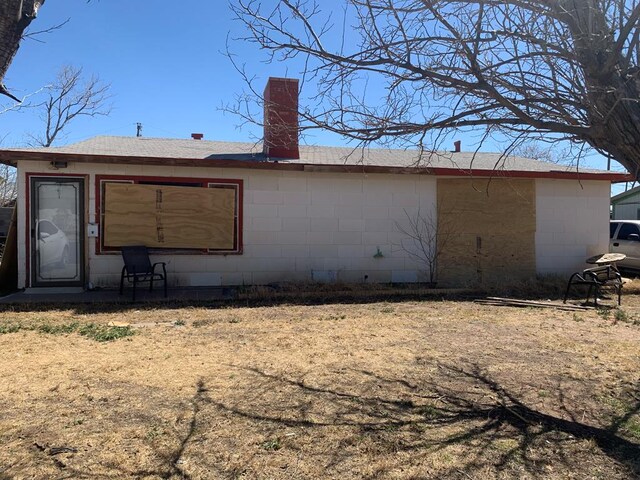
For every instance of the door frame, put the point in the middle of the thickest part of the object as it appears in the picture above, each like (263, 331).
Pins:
(30, 178)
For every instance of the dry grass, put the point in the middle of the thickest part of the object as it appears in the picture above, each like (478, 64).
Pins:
(412, 389)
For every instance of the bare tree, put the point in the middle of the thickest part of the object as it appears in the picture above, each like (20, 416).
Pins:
(566, 69)
(424, 238)
(539, 151)
(8, 185)
(69, 97)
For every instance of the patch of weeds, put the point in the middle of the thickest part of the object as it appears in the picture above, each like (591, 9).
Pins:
(59, 329)
(105, 333)
(179, 323)
(615, 403)
(418, 427)
(74, 423)
(430, 412)
(605, 313)
(543, 393)
(271, 445)
(621, 316)
(632, 428)
(577, 318)
(621, 408)
(99, 333)
(391, 427)
(201, 323)
(234, 320)
(10, 328)
(505, 444)
(154, 432)
(387, 310)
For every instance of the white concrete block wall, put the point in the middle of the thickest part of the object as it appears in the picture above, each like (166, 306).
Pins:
(332, 225)
(303, 226)
(572, 223)
(297, 226)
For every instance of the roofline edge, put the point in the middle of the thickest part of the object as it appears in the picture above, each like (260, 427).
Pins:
(12, 157)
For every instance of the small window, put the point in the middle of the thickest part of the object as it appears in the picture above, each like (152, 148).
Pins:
(627, 229)
(612, 229)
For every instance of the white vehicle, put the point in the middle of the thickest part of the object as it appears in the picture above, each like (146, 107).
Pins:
(53, 245)
(624, 237)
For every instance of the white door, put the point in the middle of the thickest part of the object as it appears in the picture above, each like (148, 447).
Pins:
(57, 243)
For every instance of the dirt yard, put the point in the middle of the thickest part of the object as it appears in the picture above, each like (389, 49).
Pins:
(411, 390)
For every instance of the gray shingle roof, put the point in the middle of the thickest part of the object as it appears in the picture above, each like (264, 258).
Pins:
(314, 155)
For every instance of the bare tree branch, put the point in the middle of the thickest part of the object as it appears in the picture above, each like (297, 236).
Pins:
(563, 68)
(69, 97)
(36, 34)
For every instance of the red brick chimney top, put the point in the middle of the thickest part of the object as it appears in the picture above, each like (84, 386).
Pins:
(281, 118)
(197, 136)
(456, 146)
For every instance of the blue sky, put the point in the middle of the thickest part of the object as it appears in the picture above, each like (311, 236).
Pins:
(164, 62)
(166, 66)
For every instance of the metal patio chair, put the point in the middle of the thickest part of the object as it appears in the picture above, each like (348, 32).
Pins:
(139, 269)
(597, 278)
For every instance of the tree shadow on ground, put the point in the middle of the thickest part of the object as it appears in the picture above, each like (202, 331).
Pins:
(459, 411)
(169, 461)
(463, 407)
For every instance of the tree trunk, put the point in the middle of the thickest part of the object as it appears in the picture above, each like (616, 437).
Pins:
(15, 17)
(612, 88)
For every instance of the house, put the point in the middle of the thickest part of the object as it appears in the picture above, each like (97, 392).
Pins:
(626, 205)
(235, 214)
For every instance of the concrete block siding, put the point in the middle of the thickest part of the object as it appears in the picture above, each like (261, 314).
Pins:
(572, 224)
(327, 226)
(297, 226)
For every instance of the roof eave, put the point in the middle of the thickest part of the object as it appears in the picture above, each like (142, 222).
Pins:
(12, 157)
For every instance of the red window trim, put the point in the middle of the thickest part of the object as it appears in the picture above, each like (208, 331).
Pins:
(201, 182)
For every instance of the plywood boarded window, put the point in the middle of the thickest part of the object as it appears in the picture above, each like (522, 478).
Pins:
(166, 216)
(491, 228)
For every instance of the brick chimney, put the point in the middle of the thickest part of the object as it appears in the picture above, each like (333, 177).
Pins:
(281, 118)
(456, 146)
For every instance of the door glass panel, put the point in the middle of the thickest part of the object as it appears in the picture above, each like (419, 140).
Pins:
(57, 231)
